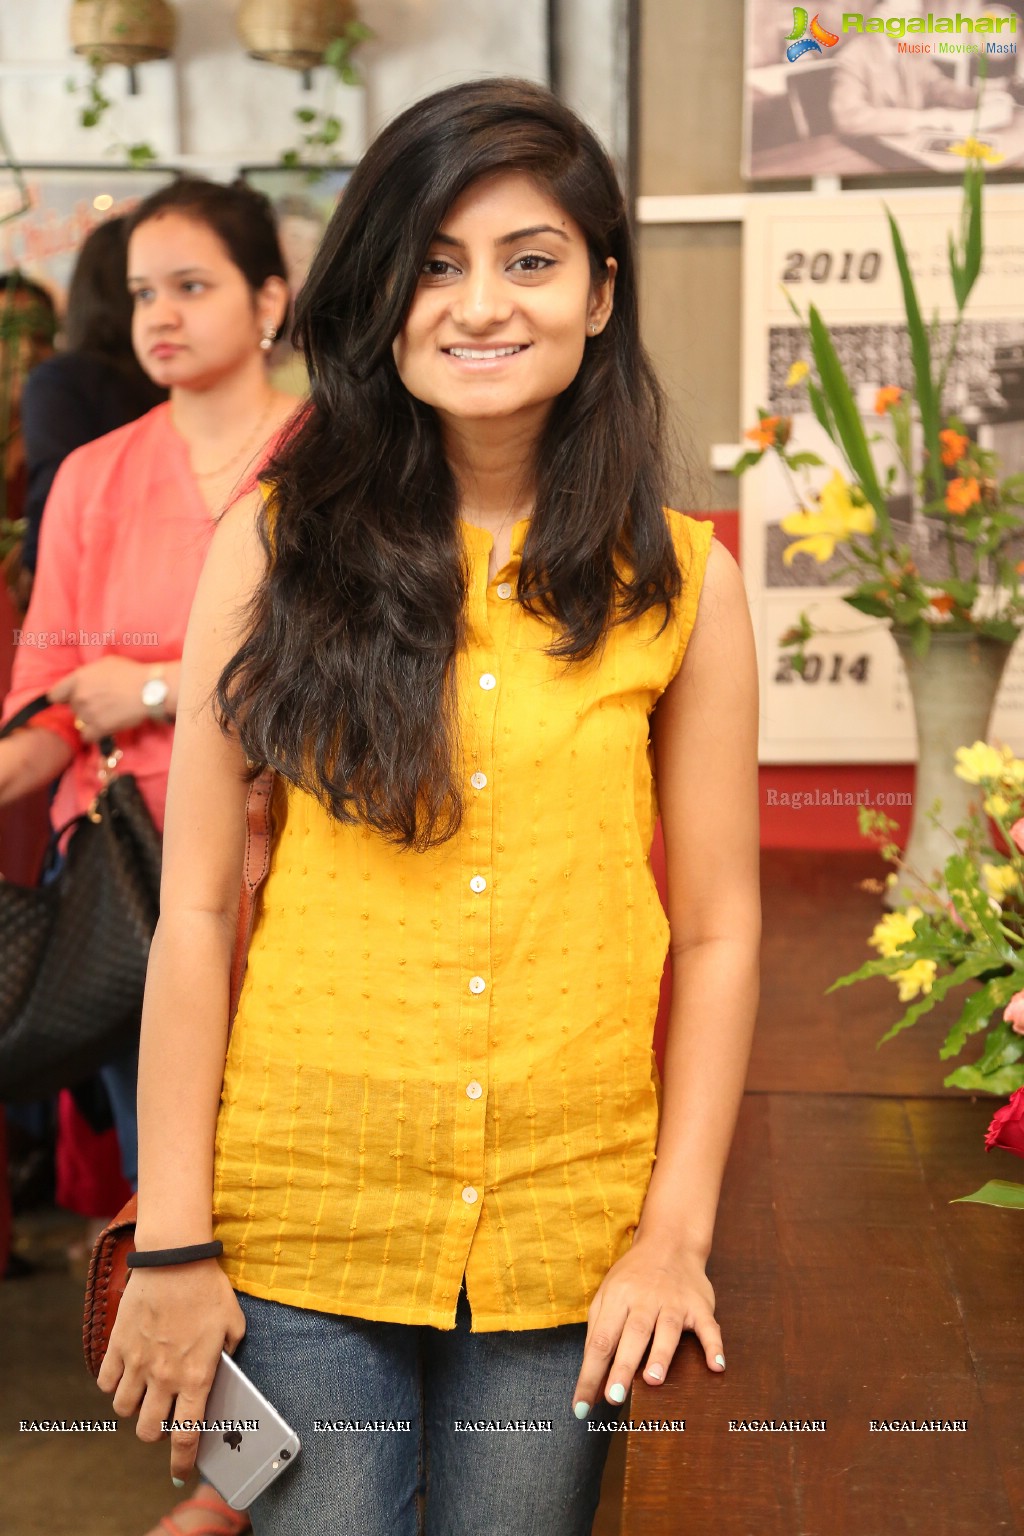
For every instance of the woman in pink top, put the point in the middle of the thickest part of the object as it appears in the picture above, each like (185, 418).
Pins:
(127, 527)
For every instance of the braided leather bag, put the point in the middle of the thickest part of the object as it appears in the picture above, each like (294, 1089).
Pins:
(108, 1269)
(73, 952)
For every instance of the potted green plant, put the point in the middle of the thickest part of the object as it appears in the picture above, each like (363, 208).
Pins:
(954, 630)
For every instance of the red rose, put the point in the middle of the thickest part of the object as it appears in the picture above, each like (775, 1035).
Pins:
(1007, 1128)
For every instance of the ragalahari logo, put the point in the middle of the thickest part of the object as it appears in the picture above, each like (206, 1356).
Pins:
(799, 40)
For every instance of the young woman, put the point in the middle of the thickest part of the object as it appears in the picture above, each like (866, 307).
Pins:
(131, 515)
(451, 629)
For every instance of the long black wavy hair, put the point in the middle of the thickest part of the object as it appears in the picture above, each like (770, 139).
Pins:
(345, 679)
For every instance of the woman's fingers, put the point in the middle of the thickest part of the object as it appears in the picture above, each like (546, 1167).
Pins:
(633, 1341)
(666, 1340)
(111, 1370)
(130, 1391)
(604, 1328)
(157, 1406)
(710, 1335)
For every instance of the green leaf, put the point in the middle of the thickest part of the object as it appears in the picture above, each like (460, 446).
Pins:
(973, 184)
(305, 114)
(336, 52)
(977, 1011)
(843, 408)
(881, 967)
(1006, 1080)
(995, 1192)
(290, 157)
(331, 131)
(867, 604)
(965, 971)
(141, 154)
(803, 460)
(927, 402)
(819, 407)
(920, 637)
(747, 461)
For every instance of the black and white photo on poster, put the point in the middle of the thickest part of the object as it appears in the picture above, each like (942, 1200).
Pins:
(892, 87)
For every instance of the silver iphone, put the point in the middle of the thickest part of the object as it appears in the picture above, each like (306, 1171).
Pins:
(247, 1443)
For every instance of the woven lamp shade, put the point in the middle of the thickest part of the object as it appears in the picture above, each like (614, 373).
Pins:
(122, 31)
(293, 33)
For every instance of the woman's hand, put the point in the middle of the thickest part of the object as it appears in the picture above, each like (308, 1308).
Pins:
(165, 1346)
(656, 1290)
(106, 695)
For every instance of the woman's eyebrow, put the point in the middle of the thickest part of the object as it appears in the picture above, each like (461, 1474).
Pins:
(181, 272)
(517, 234)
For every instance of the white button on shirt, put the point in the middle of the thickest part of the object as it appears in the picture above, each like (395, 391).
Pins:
(477, 984)
(504, 589)
(478, 780)
(469, 1194)
(478, 883)
(488, 681)
(473, 1090)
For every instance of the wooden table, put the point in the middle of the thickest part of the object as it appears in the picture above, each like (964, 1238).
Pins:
(848, 1288)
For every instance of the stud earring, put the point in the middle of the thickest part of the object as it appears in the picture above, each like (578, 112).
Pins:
(593, 330)
(268, 338)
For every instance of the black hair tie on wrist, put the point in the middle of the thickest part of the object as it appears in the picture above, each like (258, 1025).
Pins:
(155, 1258)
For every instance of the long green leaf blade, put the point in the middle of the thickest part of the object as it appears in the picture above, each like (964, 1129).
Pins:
(921, 352)
(844, 410)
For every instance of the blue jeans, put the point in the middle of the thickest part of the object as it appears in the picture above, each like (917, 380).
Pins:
(314, 1365)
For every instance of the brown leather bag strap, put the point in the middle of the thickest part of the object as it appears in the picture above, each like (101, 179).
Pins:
(258, 837)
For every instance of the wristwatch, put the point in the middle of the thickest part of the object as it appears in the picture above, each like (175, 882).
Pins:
(154, 695)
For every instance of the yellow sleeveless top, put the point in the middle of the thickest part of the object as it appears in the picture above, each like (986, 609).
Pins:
(442, 1064)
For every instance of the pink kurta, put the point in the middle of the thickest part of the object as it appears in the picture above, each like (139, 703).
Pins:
(122, 544)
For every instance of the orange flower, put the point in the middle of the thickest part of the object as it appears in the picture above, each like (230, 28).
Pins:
(954, 446)
(962, 494)
(942, 601)
(1020, 567)
(890, 394)
(769, 431)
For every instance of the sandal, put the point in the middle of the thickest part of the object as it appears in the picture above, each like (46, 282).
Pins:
(225, 1521)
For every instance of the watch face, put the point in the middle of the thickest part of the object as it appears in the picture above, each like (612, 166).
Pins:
(154, 692)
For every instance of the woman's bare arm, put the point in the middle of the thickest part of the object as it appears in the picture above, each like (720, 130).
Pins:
(185, 1015)
(174, 1321)
(705, 739)
(29, 758)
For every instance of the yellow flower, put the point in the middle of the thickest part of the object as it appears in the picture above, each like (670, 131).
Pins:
(797, 373)
(1000, 880)
(974, 149)
(996, 805)
(1013, 773)
(837, 517)
(894, 931)
(973, 764)
(916, 978)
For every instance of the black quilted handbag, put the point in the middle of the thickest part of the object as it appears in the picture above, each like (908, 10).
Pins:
(73, 952)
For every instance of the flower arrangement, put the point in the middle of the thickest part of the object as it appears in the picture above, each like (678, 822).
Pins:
(957, 496)
(966, 930)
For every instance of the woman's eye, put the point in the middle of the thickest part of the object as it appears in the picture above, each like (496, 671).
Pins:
(193, 285)
(538, 263)
(140, 295)
(437, 267)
